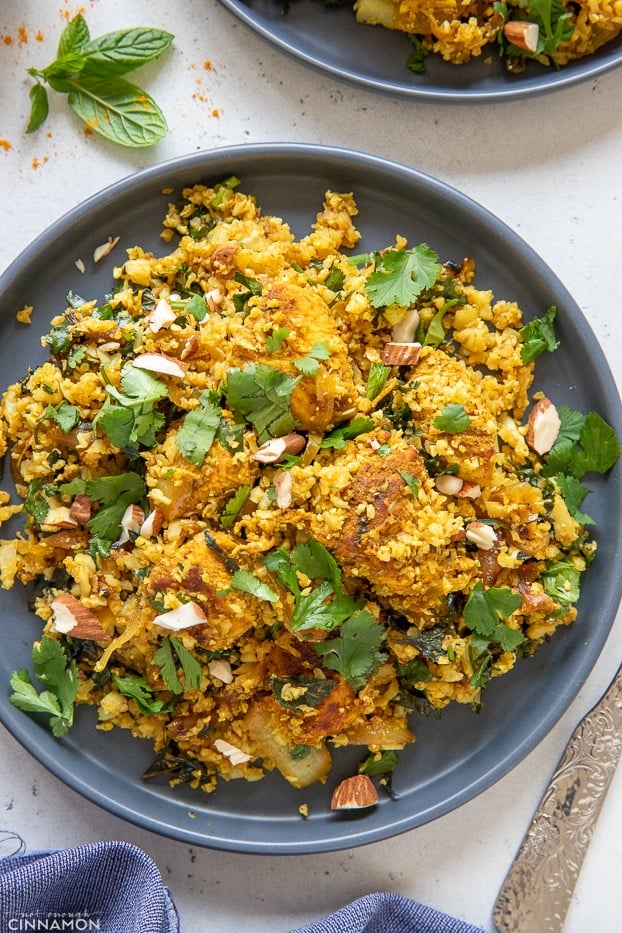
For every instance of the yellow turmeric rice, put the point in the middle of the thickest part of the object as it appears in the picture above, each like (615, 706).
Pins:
(460, 30)
(279, 498)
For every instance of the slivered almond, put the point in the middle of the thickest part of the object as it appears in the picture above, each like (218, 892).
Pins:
(221, 670)
(184, 616)
(405, 330)
(524, 35)
(482, 535)
(101, 251)
(276, 448)
(71, 617)
(235, 755)
(449, 484)
(189, 348)
(542, 426)
(400, 353)
(160, 316)
(470, 490)
(283, 484)
(159, 363)
(59, 516)
(131, 522)
(354, 793)
(152, 523)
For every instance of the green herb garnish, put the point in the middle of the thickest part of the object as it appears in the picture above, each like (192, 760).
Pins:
(90, 72)
(58, 675)
(401, 275)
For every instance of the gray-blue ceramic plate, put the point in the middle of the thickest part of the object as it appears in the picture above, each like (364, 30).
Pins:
(454, 758)
(330, 39)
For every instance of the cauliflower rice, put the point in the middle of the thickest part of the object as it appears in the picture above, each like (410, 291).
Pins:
(302, 544)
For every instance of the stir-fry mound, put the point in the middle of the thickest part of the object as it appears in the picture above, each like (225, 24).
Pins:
(459, 30)
(277, 499)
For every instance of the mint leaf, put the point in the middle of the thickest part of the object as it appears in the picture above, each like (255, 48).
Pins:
(39, 107)
(400, 276)
(378, 375)
(453, 419)
(354, 652)
(117, 53)
(118, 110)
(74, 36)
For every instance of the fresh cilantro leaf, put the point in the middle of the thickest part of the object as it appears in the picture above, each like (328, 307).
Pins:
(555, 23)
(275, 340)
(562, 581)
(168, 669)
(133, 420)
(114, 494)
(354, 652)
(196, 435)
(316, 562)
(538, 335)
(416, 60)
(233, 506)
(378, 375)
(322, 608)
(309, 364)
(435, 333)
(453, 419)
(338, 437)
(137, 689)
(59, 675)
(36, 503)
(573, 492)
(247, 582)
(485, 609)
(252, 288)
(279, 563)
(600, 447)
(263, 396)
(335, 279)
(411, 481)
(400, 276)
(416, 671)
(296, 692)
(65, 415)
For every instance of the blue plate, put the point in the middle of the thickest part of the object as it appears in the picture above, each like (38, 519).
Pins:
(329, 38)
(454, 758)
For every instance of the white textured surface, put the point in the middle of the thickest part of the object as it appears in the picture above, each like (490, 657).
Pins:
(549, 168)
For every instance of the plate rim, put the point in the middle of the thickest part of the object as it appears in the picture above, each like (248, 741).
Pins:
(583, 70)
(208, 162)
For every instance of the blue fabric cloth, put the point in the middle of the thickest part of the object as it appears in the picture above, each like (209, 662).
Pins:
(388, 913)
(114, 887)
(110, 887)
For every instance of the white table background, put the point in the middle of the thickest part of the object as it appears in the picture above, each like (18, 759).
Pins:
(550, 167)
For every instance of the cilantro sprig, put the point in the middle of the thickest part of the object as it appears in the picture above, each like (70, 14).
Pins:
(136, 688)
(401, 275)
(262, 395)
(91, 72)
(59, 675)
(171, 656)
(130, 417)
(354, 652)
(196, 435)
(113, 494)
(486, 610)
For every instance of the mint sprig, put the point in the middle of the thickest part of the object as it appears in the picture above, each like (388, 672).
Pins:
(91, 73)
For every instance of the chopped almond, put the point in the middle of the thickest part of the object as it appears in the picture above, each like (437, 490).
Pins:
(81, 509)
(543, 426)
(71, 617)
(484, 536)
(449, 484)
(470, 490)
(354, 793)
(160, 316)
(132, 520)
(235, 755)
(276, 448)
(221, 670)
(159, 363)
(59, 517)
(400, 353)
(283, 486)
(101, 251)
(184, 616)
(523, 35)
(152, 523)
(405, 330)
